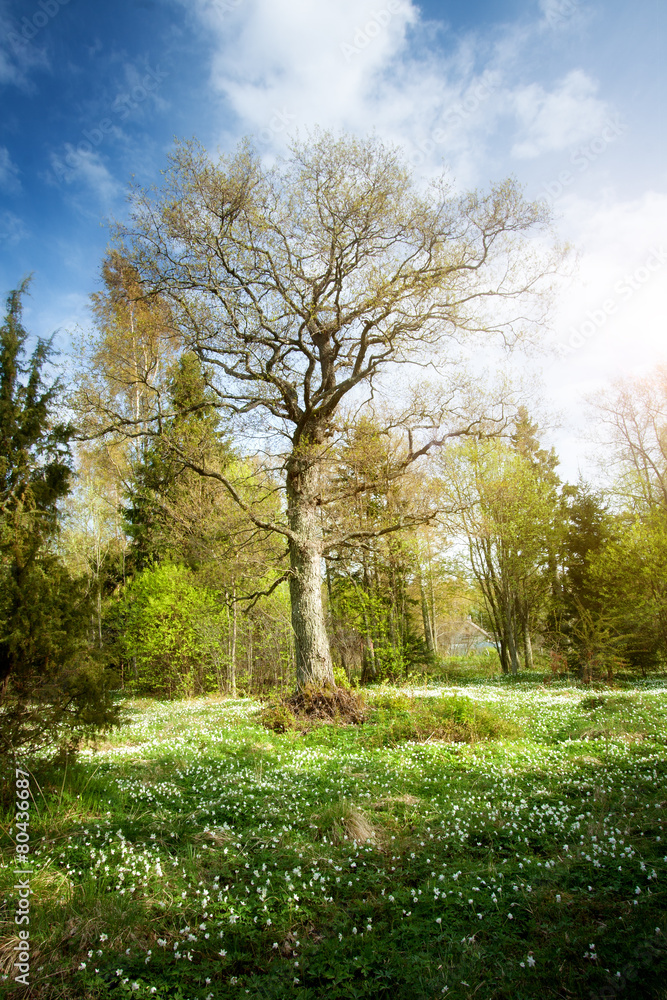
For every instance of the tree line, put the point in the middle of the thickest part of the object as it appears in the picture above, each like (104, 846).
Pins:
(271, 465)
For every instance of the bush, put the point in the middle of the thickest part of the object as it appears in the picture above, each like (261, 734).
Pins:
(398, 718)
(391, 719)
(60, 690)
(171, 632)
(278, 718)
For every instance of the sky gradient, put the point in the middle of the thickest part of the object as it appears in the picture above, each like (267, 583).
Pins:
(568, 96)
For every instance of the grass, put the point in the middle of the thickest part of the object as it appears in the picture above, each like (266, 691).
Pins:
(492, 839)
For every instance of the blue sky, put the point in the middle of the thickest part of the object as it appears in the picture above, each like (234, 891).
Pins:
(567, 95)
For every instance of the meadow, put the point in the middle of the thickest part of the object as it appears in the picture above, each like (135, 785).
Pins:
(481, 837)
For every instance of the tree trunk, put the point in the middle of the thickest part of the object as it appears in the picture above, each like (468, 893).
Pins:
(313, 654)
(510, 637)
(368, 667)
(511, 645)
(99, 613)
(434, 619)
(509, 627)
(232, 649)
(528, 650)
(249, 651)
(426, 618)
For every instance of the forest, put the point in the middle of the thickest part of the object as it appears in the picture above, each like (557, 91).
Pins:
(316, 678)
(267, 463)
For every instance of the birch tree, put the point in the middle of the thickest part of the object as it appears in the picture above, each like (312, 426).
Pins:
(506, 512)
(633, 416)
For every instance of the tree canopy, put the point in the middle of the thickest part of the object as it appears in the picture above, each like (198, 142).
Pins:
(50, 687)
(303, 285)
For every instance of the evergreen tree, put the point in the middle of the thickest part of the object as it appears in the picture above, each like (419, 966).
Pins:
(579, 604)
(589, 528)
(164, 490)
(49, 686)
(526, 442)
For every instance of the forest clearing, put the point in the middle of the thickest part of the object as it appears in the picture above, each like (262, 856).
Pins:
(197, 854)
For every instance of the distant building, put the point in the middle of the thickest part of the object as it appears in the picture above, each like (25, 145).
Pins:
(457, 638)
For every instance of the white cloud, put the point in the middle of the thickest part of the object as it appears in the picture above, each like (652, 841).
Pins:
(19, 56)
(558, 119)
(8, 70)
(9, 172)
(614, 311)
(282, 66)
(320, 63)
(610, 319)
(12, 228)
(80, 167)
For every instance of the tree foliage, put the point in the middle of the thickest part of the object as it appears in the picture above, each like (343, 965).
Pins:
(50, 686)
(300, 285)
(506, 511)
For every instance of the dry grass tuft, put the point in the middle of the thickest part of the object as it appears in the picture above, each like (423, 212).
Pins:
(8, 953)
(359, 828)
(407, 800)
(342, 821)
(218, 835)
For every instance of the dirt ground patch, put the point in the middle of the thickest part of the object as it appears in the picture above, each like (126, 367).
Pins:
(316, 705)
(328, 703)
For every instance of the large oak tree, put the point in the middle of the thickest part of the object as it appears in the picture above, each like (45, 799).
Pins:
(304, 285)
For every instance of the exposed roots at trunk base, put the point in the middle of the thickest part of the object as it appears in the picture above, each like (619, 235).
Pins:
(313, 704)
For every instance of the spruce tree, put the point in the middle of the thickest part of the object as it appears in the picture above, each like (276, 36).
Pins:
(50, 688)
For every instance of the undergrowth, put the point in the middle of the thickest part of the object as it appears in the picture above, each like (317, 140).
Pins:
(487, 841)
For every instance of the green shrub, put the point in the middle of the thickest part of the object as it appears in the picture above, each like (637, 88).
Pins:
(170, 632)
(591, 703)
(278, 718)
(341, 678)
(59, 691)
(398, 718)
(471, 667)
